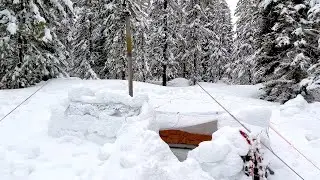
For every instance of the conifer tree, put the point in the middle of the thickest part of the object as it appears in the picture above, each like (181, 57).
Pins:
(163, 39)
(141, 63)
(218, 21)
(246, 41)
(112, 43)
(39, 55)
(83, 42)
(284, 57)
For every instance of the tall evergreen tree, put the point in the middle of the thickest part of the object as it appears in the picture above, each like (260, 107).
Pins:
(112, 43)
(314, 33)
(39, 52)
(8, 26)
(200, 42)
(246, 41)
(194, 37)
(83, 39)
(141, 63)
(285, 56)
(219, 49)
(163, 39)
(312, 87)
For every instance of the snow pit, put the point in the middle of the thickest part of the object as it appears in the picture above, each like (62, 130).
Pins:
(95, 116)
(131, 146)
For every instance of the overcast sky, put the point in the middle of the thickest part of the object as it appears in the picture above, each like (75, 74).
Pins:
(232, 4)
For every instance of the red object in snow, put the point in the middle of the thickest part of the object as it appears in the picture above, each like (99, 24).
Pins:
(245, 135)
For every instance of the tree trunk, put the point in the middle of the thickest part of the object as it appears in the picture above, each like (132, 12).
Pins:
(165, 48)
(184, 70)
(195, 68)
(21, 40)
(89, 59)
(164, 75)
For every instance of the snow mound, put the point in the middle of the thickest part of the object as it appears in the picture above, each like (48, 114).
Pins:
(256, 116)
(256, 119)
(96, 116)
(221, 156)
(179, 82)
(294, 106)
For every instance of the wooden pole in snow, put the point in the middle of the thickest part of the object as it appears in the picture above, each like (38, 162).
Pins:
(129, 53)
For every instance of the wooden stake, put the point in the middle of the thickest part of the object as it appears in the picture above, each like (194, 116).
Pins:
(129, 53)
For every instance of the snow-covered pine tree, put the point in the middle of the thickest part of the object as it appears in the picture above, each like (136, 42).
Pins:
(112, 44)
(218, 21)
(194, 38)
(163, 39)
(83, 53)
(181, 44)
(39, 52)
(312, 88)
(284, 57)
(199, 42)
(8, 26)
(245, 43)
(140, 55)
(226, 26)
(64, 30)
(144, 5)
(314, 33)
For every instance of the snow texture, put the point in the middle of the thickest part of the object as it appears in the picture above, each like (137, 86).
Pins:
(12, 28)
(221, 156)
(28, 150)
(47, 35)
(179, 82)
(97, 116)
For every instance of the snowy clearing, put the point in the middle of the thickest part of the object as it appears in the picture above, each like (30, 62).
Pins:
(31, 147)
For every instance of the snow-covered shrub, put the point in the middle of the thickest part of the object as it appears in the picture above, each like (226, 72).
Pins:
(310, 88)
(314, 89)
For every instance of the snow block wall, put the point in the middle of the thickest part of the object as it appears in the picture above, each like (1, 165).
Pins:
(96, 116)
(221, 157)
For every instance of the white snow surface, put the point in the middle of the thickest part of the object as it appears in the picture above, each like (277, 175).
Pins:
(12, 28)
(60, 132)
(96, 116)
(47, 35)
(179, 82)
(221, 157)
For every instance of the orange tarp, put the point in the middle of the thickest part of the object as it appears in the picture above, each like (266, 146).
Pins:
(182, 137)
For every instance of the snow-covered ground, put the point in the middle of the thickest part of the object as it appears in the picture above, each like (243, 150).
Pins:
(44, 140)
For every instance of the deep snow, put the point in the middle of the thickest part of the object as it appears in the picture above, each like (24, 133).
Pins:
(29, 151)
